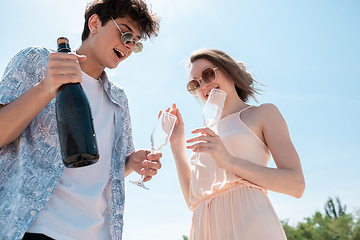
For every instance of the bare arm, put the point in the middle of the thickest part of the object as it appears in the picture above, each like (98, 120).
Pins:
(16, 116)
(287, 178)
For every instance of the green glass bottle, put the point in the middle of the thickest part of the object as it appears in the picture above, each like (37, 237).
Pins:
(75, 125)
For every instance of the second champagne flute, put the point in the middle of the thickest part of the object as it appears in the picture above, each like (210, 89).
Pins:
(211, 115)
(159, 138)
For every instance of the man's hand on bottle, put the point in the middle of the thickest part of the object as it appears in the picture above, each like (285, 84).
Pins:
(62, 68)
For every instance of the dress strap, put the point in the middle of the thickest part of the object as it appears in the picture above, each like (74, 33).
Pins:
(246, 108)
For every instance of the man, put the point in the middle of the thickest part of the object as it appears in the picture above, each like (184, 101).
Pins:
(40, 198)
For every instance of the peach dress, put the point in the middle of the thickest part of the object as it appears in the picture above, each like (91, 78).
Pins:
(226, 206)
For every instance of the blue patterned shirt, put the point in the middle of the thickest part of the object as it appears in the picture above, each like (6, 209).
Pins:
(31, 166)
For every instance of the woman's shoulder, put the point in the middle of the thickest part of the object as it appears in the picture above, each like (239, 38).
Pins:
(269, 116)
(265, 108)
(266, 112)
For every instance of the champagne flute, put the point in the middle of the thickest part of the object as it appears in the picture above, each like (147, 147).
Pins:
(211, 115)
(159, 138)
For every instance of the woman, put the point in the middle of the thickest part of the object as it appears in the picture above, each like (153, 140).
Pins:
(228, 196)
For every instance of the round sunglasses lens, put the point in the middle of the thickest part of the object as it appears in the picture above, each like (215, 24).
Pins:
(138, 47)
(192, 86)
(127, 38)
(208, 75)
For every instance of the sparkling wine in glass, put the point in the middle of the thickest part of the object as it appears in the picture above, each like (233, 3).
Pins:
(159, 138)
(211, 115)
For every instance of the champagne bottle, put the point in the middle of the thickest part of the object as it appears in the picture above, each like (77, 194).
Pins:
(75, 126)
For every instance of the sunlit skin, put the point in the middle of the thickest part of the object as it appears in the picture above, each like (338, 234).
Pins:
(95, 54)
(265, 121)
(102, 42)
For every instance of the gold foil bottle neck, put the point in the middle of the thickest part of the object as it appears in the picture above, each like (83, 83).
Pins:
(61, 40)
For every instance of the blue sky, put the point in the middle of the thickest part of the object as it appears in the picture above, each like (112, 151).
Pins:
(305, 52)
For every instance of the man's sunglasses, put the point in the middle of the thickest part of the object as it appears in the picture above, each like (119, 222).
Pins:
(208, 75)
(128, 38)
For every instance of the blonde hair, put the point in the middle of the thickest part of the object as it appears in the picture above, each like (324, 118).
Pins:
(244, 83)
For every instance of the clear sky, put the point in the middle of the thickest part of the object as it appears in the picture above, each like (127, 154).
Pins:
(305, 52)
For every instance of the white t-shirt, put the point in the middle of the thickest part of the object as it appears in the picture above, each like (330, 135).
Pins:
(78, 208)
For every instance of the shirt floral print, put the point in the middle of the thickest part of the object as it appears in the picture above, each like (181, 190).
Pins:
(31, 166)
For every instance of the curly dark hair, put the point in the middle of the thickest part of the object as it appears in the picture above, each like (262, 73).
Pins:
(137, 10)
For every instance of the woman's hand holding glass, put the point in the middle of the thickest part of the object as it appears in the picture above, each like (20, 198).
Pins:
(212, 113)
(210, 143)
(178, 135)
(206, 142)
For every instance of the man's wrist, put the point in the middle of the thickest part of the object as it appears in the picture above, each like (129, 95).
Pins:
(127, 158)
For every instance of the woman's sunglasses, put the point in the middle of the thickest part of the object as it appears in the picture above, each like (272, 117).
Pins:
(208, 75)
(128, 38)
